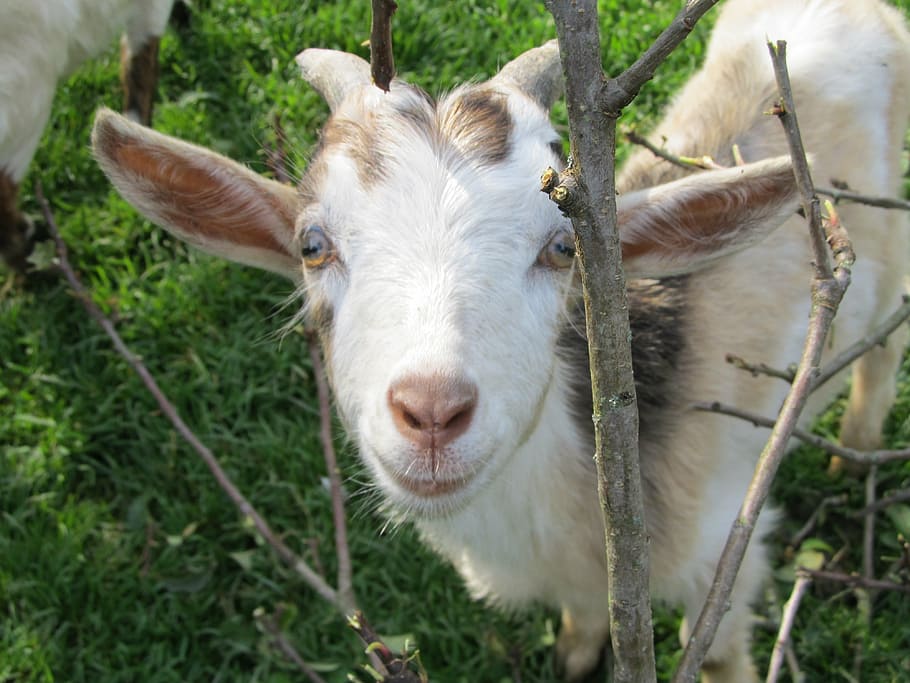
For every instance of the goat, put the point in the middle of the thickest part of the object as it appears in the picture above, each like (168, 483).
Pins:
(42, 43)
(441, 283)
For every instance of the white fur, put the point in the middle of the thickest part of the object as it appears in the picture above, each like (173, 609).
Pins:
(43, 41)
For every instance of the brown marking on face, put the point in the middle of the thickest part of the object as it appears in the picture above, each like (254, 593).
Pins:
(15, 244)
(478, 124)
(139, 78)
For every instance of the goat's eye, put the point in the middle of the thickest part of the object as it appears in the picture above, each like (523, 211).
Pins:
(316, 248)
(559, 252)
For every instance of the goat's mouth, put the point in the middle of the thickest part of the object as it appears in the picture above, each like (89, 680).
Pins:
(432, 487)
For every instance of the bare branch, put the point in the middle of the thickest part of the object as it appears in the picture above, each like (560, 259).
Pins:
(786, 624)
(845, 195)
(298, 564)
(863, 457)
(761, 369)
(382, 59)
(587, 191)
(619, 92)
(876, 337)
(809, 526)
(345, 583)
(857, 581)
(786, 112)
(900, 497)
(688, 163)
(269, 623)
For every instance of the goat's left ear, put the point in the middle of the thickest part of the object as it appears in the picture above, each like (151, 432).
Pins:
(687, 224)
(201, 197)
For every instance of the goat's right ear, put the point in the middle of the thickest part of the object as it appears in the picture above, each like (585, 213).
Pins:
(201, 197)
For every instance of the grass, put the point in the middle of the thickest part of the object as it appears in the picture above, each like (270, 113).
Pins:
(120, 559)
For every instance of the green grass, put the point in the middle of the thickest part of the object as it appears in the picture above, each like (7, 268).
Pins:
(120, 559)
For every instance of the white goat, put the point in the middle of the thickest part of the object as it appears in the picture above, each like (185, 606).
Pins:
(441, 282)
(43, 41)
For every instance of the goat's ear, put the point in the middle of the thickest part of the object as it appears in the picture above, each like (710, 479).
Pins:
(687, 224)
(201, 197)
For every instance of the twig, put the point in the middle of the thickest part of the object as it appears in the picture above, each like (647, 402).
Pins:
(809, 526)
(802, 583)
(839, 195)
(269, 623)
(828, 288)
(382, 59)
(298, 564)
(761, 369)
(863, 457)
(688, 163)
(854, 580)
(392, 668)
(876, 337)
(345, 583)
(786, 112)
(901, 497)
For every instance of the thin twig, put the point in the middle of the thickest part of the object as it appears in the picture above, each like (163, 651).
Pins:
(809, 526)
(786, 112)
(382, 59)
(802, 583)
(901, 497)
(345, 583)
(863, 457)
(761, 369)
(298, 564)
(854, 580)
(689, 163)
(269, 623)
(839, 195)
(876, 337)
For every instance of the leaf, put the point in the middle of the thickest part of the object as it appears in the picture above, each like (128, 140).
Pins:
(900, 518)
(244, 558)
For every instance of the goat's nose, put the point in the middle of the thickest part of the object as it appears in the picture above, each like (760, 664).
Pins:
(432, 411)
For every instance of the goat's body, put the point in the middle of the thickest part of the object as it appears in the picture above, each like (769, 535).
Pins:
(42, 42)
(440, 281)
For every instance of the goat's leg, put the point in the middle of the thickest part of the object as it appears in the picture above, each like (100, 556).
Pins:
(139, 59)
(15, 228)
(872, 393)
(139, 77)
(581, 640)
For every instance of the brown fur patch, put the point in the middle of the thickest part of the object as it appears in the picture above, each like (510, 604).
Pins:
(478, 124)
(139, 77)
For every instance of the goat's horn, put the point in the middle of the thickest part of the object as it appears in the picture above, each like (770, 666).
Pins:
(333, 73)
(537, 73)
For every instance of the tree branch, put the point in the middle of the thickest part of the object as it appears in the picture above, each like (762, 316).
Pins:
(862, 457)
(786, 624)
(345, 582)
(587, 193)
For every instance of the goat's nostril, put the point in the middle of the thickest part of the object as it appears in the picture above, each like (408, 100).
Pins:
(431, 411)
